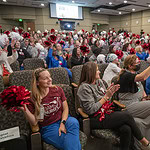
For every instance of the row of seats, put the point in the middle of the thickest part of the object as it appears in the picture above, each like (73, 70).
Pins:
(60, 77)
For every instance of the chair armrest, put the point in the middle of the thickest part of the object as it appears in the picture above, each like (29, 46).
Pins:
(36, 143)
(86, 126)
(119, 104)
(74, 85)
(83, 114)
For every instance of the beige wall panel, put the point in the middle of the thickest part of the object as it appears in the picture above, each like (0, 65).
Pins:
(125, 17)
(136, 15)
(146, 13)
(114, 18)
(145, 21)
(136, 22)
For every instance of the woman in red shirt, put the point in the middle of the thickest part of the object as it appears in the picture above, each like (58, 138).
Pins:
(49, 109)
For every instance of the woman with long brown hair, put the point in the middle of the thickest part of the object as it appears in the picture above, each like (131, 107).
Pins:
(94, 99)
(48, 107)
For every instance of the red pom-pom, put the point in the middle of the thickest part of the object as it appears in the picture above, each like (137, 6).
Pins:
(119, 53)
(62, 42)
(91, 35)
(52, 39)
(145, 46)
(133, 35)
(52, 30)
(47, 43)
(132, 51)
(138, 42)
(20, 31)
(83, 30)
(14, 97)
(0, 27)
(84, 49)
(103, 39)
(7, 32)
(26, 35)
(138, 36)
(44, 34)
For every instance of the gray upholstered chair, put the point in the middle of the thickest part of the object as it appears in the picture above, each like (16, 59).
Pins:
(15, 66)
(59, 75)
(21, 78)
(33, 63)
(1, 84)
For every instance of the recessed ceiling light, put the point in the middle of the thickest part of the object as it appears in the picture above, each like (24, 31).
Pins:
(42, 4)
(110, 3)
(4, 0)
(119, 12)
(98, 10)
(125, 1)
(73, 1)
(148, 5)
(133, 9)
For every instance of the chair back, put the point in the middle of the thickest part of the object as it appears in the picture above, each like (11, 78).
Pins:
(1, 84)
(102, 68)
(59, 75)
(21, 78)
(76, 73)
(144, 65)
(15, 66)
(33, 63)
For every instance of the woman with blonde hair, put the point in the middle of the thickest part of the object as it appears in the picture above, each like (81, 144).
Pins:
(48, 107)
(140, 54)
(94, 99)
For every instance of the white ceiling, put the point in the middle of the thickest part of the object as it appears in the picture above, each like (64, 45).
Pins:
(114, 9)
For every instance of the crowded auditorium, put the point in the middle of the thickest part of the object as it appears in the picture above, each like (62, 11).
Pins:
(74, 75)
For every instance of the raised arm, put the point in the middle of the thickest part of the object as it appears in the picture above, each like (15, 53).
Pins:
(143, 75)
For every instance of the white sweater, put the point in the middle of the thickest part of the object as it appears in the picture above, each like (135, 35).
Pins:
(7, 61)
(111, 71)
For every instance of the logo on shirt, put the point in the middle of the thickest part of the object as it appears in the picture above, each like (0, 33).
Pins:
(52, 107)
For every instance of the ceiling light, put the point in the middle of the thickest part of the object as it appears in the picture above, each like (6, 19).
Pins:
(125, 1)
(110, 3)
(98, 10)
(119, 12)
(133, 9)
(4, 0)
(42, 4)
(148, 5)
(73, 1)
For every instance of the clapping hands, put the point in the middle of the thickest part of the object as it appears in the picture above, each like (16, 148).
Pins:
(112, 89)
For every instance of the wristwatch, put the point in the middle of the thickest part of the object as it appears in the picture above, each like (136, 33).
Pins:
(63, 121)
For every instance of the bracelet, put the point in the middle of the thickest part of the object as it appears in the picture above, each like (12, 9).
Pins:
(105, 99)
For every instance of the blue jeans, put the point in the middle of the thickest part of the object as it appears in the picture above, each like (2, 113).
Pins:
(68, 141)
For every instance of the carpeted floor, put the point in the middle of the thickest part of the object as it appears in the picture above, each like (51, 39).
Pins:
(99, 144)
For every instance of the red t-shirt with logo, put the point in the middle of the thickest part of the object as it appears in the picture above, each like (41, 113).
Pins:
(52, 104)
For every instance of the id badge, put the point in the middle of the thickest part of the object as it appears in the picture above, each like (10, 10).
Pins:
(41, 115)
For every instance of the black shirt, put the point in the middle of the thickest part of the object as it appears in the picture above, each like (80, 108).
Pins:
(127, 83)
